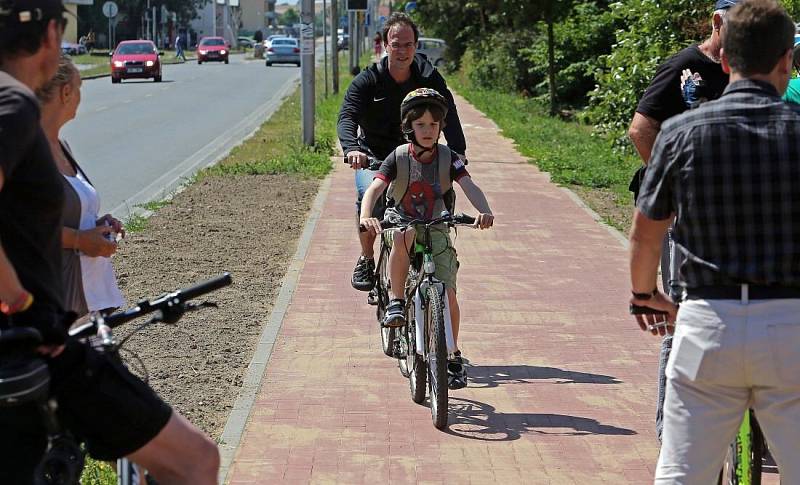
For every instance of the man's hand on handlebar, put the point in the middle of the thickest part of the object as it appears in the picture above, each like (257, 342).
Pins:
(656, 314)
(357, 159)
(484, 221)
(371, 225)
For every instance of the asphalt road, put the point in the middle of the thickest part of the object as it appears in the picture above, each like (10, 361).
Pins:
(138, 140)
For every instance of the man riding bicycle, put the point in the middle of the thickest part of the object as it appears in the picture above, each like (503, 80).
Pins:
(99, 401)
(369, 125)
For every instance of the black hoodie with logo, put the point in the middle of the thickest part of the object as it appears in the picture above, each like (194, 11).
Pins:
(372, 103)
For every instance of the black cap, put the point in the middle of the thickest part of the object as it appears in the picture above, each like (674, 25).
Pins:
(725, 4)
(20, 12)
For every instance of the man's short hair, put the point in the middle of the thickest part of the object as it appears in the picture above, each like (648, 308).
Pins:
(757, 34)
(23, 24)
(398, 18)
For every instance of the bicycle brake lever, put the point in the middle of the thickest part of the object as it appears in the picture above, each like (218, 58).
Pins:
(190, 306)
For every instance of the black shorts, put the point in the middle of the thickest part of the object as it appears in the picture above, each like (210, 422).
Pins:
(105, 406)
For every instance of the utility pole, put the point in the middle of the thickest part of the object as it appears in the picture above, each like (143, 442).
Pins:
(351, 40)
(307, 69)
(325, 42)
(335, 45)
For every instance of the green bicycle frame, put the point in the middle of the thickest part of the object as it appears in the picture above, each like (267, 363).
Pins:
(744, 449)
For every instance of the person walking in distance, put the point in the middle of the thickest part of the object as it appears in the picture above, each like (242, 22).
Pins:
(179, 48)
(664, 98)
(724, 173)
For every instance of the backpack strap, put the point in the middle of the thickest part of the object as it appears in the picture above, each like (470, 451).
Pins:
(399, 185)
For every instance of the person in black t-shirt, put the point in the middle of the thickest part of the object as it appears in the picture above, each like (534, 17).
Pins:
(664, 98)
(99, 401)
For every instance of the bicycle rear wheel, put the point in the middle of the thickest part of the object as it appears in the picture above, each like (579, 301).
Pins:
(437, 357)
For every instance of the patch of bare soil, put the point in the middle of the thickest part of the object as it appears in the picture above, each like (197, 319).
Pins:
(247, 225)
(614, 212)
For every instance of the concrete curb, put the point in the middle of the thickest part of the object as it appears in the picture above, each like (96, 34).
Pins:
(237, 420)
(611, 230)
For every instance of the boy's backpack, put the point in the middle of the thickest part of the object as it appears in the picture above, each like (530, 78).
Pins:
(397, 189)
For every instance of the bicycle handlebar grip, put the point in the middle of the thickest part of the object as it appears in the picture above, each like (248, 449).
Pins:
(464, 219)
(206, 286)
(645, 310)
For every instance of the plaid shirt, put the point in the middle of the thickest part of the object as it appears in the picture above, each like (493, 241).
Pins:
(730, 171)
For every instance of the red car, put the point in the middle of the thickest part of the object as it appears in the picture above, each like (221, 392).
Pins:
(135, 59)
(212, 49)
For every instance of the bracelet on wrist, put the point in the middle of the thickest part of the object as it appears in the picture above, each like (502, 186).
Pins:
(20, 304)
(644, 296)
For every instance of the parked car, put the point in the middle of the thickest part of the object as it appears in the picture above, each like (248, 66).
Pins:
(212, 49)
(135, 59)
(344, 42)
(73, 49)
(433, 50)
(283, 50)
(246, 42)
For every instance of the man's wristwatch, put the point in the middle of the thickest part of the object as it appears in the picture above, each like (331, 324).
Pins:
(644, 296)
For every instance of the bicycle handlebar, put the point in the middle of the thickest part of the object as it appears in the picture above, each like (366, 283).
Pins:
(446, 218)
(168, 303)
(645, 310)
(373, 163)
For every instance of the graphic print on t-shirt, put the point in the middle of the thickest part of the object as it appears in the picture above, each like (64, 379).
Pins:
(421, 195)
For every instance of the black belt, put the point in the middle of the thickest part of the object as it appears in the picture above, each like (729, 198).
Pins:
(742, 292)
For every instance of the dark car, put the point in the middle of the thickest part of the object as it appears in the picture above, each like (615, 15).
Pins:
(283, 50)
(135, 59)
(213, 49)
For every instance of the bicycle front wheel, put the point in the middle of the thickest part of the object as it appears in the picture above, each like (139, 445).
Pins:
(388, 334)
(437, 357)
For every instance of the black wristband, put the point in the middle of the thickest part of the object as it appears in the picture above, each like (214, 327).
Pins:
(644, 296)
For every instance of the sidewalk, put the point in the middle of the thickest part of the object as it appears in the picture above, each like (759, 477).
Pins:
(562, 382)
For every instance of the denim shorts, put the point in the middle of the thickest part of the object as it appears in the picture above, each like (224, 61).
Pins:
(364, 179)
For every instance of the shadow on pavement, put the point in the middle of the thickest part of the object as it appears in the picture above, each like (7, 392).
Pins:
(480, 421)
(493, 376)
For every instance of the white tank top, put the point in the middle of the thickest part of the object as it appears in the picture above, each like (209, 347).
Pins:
(99, 281)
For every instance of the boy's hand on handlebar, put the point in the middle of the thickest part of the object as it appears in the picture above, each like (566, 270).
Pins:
(484, 221)
(94, 242)
(371, 224)
(357, 159)
(655, 323)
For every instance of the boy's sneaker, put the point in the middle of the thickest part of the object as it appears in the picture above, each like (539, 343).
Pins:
(456, 372)
(364, 274)
(395, 314)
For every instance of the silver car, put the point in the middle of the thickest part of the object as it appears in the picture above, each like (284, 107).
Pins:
(283, 50)
(433, 50)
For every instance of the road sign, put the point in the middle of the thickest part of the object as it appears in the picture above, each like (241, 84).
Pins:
(356, 4)
(110, 9)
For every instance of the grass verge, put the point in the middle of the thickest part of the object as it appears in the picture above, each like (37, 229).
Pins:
(567, 150)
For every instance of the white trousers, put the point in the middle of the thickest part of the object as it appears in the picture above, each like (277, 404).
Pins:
(728, 355)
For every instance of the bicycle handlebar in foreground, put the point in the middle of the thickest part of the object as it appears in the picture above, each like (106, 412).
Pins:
(164, 303)
(444, 219)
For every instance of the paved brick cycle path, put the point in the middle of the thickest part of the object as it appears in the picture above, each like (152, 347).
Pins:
(562, 383)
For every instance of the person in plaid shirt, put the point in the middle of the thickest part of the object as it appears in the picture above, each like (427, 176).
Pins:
(727, 173)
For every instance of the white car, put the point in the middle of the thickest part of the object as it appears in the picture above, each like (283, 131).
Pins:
(433, 49)
(268, 40)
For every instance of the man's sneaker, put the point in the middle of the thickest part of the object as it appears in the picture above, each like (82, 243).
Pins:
(364, 274)
(456, 372)
(372, 297)
(395, 314)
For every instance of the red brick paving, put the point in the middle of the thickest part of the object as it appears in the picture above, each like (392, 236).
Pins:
(562, 383)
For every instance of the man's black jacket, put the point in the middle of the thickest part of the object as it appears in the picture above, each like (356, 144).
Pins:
(373, 102)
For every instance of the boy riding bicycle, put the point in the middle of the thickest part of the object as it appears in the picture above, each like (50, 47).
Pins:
(420, 176)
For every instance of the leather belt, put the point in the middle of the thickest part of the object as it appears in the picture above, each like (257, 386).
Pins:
(743, 292)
